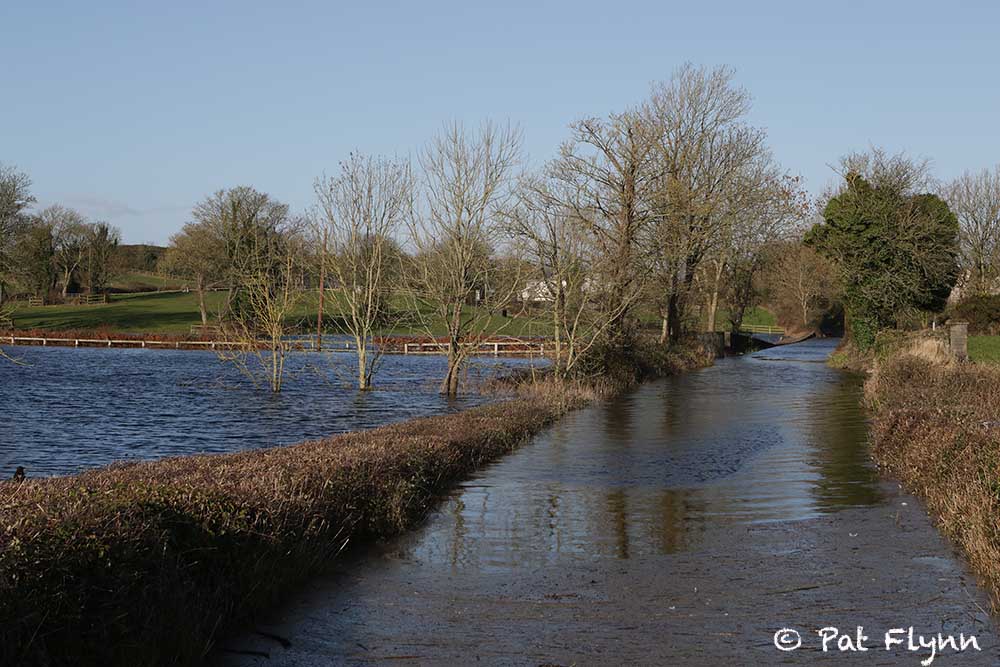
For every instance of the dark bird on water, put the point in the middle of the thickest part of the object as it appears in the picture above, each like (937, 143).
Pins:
(19, 474)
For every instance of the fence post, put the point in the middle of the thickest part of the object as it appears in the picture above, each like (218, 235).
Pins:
(959, 334)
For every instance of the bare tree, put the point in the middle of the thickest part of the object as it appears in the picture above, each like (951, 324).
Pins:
(271, 287)
(98, 266)
(198, 252)
(893, 172)
(15, 198)
(603, 172)
(262, 247)
(703, 149)
(240, 217)
(359, 216)
(801, 285)
(32, 256)
(762, 206)
(467, 177)
(70, 233)
(560, 249)
(975, 199)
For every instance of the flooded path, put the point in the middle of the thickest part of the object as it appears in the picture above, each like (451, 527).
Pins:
(685, 523)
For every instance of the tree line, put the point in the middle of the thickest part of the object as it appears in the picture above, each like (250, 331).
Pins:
(54, 250)
(662, 213)
(662, 216)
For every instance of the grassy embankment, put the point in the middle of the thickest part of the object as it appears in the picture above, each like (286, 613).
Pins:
(982, 350)
(174, 313)
(149, 563)
(937, 429)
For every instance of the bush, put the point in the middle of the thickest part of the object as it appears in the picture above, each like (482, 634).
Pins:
(146, 563)
(981, 312)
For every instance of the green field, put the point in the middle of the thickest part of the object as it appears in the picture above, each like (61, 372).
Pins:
(144, 282)
(758, 316)
(177, 312)
(985, 349)
(152, 312)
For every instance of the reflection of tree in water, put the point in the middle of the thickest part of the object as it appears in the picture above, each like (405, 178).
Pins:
(670, 531)
(840, 437)
(617, 421)
(617, 504)
(555, 535)
(458, 538)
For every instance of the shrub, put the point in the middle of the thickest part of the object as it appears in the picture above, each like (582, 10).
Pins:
(935, 428)
(114, 565)
(981, 312)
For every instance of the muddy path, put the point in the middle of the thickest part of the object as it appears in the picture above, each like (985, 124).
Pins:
(685, 523)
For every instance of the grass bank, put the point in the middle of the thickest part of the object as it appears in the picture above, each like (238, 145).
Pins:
(937, 429)
(984, 349)
(148, 563)
(174, 313)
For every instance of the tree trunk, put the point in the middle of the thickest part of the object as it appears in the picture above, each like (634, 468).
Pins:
(713, 299)
(449, 386)
(713, 307)
(664, 329)
(202, 308)
(277, 363)
(559, 324)
(674, 317)
(362, 364)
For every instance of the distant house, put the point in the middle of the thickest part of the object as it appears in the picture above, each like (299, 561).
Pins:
(537, 291)
(540, 291)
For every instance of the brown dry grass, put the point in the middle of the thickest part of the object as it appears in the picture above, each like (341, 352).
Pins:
(148, 563)
(937, 429)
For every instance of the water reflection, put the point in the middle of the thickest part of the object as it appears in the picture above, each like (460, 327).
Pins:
(70, 409)
(776, 436)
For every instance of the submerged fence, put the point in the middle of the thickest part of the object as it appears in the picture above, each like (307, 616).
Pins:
(505, 347)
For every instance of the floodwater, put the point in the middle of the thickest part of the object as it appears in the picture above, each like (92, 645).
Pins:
(684, 523)
(68, 409)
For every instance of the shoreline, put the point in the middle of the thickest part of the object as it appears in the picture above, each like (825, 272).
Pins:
(112, 565)
(491, 346)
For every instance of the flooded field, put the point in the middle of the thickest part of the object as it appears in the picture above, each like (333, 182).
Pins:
(684, 523)
(70, 409)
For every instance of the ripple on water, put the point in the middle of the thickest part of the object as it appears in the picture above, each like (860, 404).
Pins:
(746, 441)
(71, 409)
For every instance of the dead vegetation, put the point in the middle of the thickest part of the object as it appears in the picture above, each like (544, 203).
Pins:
(937, 429)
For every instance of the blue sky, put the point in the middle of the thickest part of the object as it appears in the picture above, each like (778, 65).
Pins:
(134, 111)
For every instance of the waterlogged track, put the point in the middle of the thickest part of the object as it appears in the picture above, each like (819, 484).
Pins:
(685, 523)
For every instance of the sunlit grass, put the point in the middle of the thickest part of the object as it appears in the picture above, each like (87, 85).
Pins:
(985, 349)
(177, 312)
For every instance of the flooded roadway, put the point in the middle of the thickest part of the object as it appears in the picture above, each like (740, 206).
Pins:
(684, 523)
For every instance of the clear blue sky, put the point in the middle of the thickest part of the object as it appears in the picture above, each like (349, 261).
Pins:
(132, 114)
